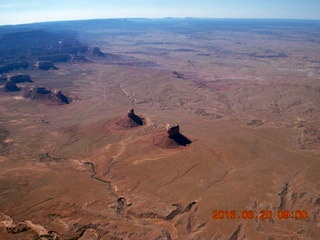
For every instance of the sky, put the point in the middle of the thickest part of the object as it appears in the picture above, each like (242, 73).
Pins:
(29, 11)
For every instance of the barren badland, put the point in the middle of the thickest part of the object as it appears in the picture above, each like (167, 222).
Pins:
(160, 129)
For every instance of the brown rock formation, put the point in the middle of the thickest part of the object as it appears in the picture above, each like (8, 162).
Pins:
(173, 138)
(178, 75)
(41, 93)
(132, 120)
(131, 113)
(172, 129)
(255, 122)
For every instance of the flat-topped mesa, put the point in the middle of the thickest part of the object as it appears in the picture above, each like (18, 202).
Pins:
(172, 129)
(20, 78)
(45, 65)
(12, 66)
(95, 51)
(11, 86)
(41, 90)
(54, 95)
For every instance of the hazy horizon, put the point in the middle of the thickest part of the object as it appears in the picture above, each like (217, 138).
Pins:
(19, 12)
(165, 18)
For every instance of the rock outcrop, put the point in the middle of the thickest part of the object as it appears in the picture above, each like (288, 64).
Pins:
(20, 79)
(45, 48)
(3, 79)
(172, 129)
(12, 66)
(138, 120)
(45, 65)
(55, 58)
(95, 51)
(11, 86)
(132, 120)
(41, 93)
(178, 75)
(172, 138)
(81, 59)
(255, 122)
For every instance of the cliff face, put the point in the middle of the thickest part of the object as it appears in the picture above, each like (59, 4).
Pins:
(172, 129)
(42, 49)
(36, 43)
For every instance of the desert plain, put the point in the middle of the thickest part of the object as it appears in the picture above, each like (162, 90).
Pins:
(246, 93)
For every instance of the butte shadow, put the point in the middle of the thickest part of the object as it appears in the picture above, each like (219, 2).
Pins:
(131, 120)
(172, 138)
